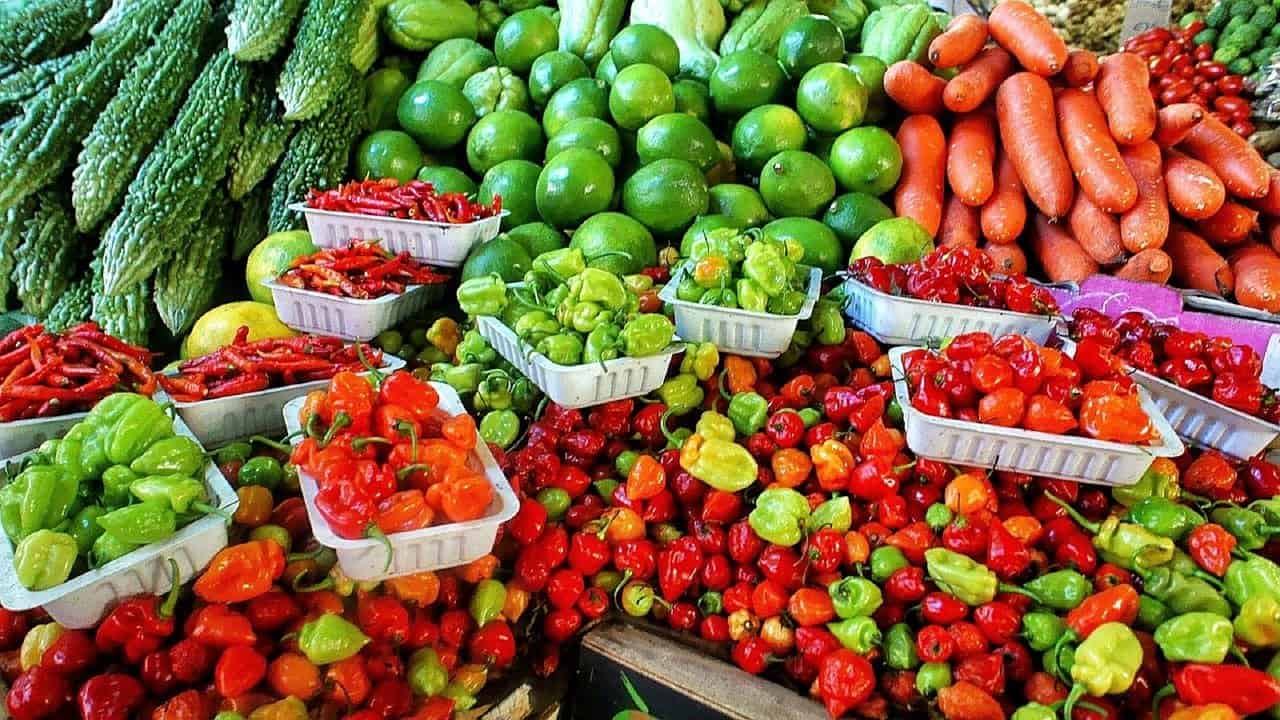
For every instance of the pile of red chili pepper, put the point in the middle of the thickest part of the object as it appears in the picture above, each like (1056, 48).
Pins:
(46, 374)
(1012, 382)
(245, 367)
(414, 200)
(363, 270)
(957, 275)
(1182, 71)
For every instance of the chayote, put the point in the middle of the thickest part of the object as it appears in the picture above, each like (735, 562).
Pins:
(420, 25)
(454, 61)
(848, 15)
(491, 16)
(513, 6)
(760, 24)
(589, 25)
(496, 88)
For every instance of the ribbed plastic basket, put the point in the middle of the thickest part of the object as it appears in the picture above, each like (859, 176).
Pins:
(433, 243)
(737, 331)
(1205, 422)
(309, 311)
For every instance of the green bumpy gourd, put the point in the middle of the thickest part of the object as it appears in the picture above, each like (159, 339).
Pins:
(45, 261)
(263, 140)
(257, 29)
(36, 31)
(21, 85)
(73, 307)
(126, 316)
(321, 55)
(184, 286)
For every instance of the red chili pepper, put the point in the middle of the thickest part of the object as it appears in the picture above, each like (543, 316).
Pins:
(1243, 689)
(138, 625)
(494, 645)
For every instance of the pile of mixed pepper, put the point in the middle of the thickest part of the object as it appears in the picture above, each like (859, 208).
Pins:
(364, 270)
(732, 269)
(414, 200)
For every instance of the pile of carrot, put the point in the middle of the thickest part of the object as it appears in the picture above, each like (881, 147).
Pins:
(1061, 158)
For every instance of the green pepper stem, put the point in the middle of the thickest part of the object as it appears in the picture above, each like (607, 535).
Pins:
(374, 372)
(724, 393)
(1238, 654)
(208, 509)
(374, 532)
(1068, 636)
(1084, 522)
(1209, 578)
(408, 470)
(312, 427)
(272, 443)
(175, 589)
(358, 444)
(324, 584)
(662, 425)
(1159, 697)
(1068, 707)
(1014, 589)
(340, 421)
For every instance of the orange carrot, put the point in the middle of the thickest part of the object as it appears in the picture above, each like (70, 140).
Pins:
(959, 223)
(1194, 189)
(1093, 154)
(1023, 31)
(1009, 259)
(1122, 91)
(1004, 214)
(1173, 122)
(1029, 133)
(1241, 168)
(1097, 231)
(914, 88)
(1146, 224)
(1081, 68)
(1150, 265)
(1058, 253)
(1257, 269)
(977, 80)
(1229, 226)
(1269, 204)
(961, 42)
(1196, 265)
(971, 157)
(924, 171)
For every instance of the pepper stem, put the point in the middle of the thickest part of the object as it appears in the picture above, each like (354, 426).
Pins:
(312, 427)
(1014, 589)
(358, 444)
(1159, 697)
(374, 372)
(340, 421)
(1068, 636)
(175, 589)
(1238, 654)
(208, 509)
(272, 443)
(324, 584)
(1068, 707)
(724, 393)
(408, 470)
(375, 532)
(1075, 514)
(662, 425)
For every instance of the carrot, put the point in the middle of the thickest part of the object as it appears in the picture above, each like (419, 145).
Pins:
(1269, 204)
(1150, 265)
(959, 223)
(1023, 31)
(1029, 132)
(1146, 224)
(1093, 154)
(1230, 225)
(1257, 269)
(1195, 191)
(924, 171)
(1081, 68)
(971, 157)
(1241, 168)
(1004, 214)
(1097, 231)
(1122, 91)
(977, 80)
(959, 43)
(1196, 265)
(1173, 122)
(1009, 259)
(1059, 254)
(914, 88)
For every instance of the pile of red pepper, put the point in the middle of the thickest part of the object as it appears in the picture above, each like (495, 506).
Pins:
(46, 374)
(245, 367)
(958, 275)
(414, 200)
(1182, 71)
(363, 270)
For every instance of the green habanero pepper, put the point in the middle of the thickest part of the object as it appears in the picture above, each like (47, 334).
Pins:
(1105, 663)
(494, 391)
(748, 411)
(1182, 593)
(263, 470)
(938, 516)
(586, 316)
(1152, 612)
(500, 427)
(855, 597)
(1035, 711)
(1268, 508)
(719, 297)
(900, 648)
(711, 271)
(141, 524)
(115, 486)
(524, 395)
(44, 559)
(463, 378)
(765, 264)
(1254, 575)
(1258, 622)
(779, 516)
(827, 321)
(330, 639)
(1122, 543)
(681, 394)
(858, 634)
(885, 561)
(85, 528)
(143, 424)
(603, 343)
(1250, 528)
(475, 349)
(1058, 661)
(687, 290)
(788, 302)
(562, 263)
(751, 297)
(533, 326)
(69, 452)
(562, 348)
(932, 677)
(1062, 589)
(722, 464)
(180, 493)
(726, 242)
(462, 698)
(647, 334)
(625, 461)
(427, 675)
(233, 452)
(487, 601)
(968, 580)
(43, 496)
(108, 547)
(1165, 517)
(638, 283)
(700, 360)
(809, 416)
(834, 514)
(178, 455)
(1160, 480)
(603, 287)
(484, 295)
(1195, 637)
(1042, 630)
(712, 424)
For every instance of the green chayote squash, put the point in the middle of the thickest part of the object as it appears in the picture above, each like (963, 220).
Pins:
(420, 25)
(848, 15)
(496, 88)
(491, 16)
(760, 24)
(587, 26)
(454, 61)
(900, 32)
(695, 25)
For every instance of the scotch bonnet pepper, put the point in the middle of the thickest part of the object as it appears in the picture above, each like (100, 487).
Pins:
(1122, 543)
(1106, 663)
(1195, 637)
(968, 580)
(779, 516)
(722, 464)
(1258, 622)
(44, 559)
(748, 411)
(329, 639)
(855, 597)
(485, 295)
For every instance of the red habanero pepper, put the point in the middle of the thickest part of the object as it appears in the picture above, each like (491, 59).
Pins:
(110, 696)
(648, 424)
(494, 645)
(138, 625)
(383, 618)
(241, 572)
(219, 626)
(678, 566)
(350, 398)
(1118, 603)
(1238, 391)
(1210, 545)
(72, 653)
(407, 391)
(1243, 689)
(1006, 554)
(239, 669)
(845, 680)
(38, 693)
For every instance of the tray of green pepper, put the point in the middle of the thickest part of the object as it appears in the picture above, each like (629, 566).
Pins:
(125, 503)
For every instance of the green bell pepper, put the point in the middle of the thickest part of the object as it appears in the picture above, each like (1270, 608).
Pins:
(1258, 622)
(330, 638)
(141, 524)
(44, 559)
(834, 514)
(725, 242)
(647, 334)
(239, 451)
(858, 634)
(1195, 637)
(900, 648)
(700, 359)
(1061, 590)
(938, 516)
(462, 698)
(751, 296)
(115, 486)
(85, 528)
(1165, 517)
(602, 344)
(524, 395)
(779, 516)
(484, 295)
(748, 411)
(39, 498)
(855, 597)
(181, 494)
(562, 348)
(765, 264)
(500, 427)
(637, 284)
(1250, 528)
(427, 675)
(1042, 630)
(681, 394)
(625, 461)
(487, 601)
(141, 425)
(108, 547)
(179, 455)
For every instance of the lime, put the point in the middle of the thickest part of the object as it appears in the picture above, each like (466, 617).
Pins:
(552, 71)
(446, 178)
(584, 97)
(740, 202)
(744, 80)
(455, 60)
(765, 132)
(538, 237)
(822, 248)
(705, 224)
(590, 133)
(574, 184)
(795, 183)
(515, 181)
(522, 37)
(676, 135)
(388, 154)
(615, 242)
(693, 98)
(637, 44)
(640, 93)
(807, 42)
(870, 71)
(866, 159)
(895, 240)
(501, 255)
(436, 114)
(666, 195)
(831, 98)
(218, 327)
(852, 214)
(503, 135)
(271, 257)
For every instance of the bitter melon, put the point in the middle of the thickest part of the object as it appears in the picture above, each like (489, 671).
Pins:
(17, 87)
(365, 51)
(42, 29)
(321, 52)
(262, 140)
(177, 178)
(127, 316)
(135, 118)
(75, 305)
(13, 223)
(46, 260)
(257, 29)
(184, 287)
(251, 222)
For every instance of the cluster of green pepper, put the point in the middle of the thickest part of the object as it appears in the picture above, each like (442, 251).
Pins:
(746, 270)
(422, 342)
(570, 313)
(491, 388)
(118, 480)
(824, 327)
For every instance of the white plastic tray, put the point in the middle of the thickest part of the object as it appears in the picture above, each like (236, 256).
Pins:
(20, 436)
(84, 599)
(579, 386)
(430, 242)
(221, 420)
(897, 320)
(737, 331)
(1207, 423)
(1069, 457)
(309, 311)
(433, 548)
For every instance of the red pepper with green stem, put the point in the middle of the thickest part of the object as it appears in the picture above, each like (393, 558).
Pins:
(140, 624)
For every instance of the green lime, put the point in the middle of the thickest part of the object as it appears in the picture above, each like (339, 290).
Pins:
(584, 97)
(693, 98)
(515, 181)
(740, 202)
(436, 114)
(606, 71)
(764, 132)
(831, 98)
(503, 135)
(795, 183)
(745, 79)
(446, 178)
(705, 224)
(455, 60)
(852, 214)
(666, 195)
(866, 159)
(552, 71)
(895, 240)
(574, 184)
(496, 88)
(615, 242)
(676, 135)
(538, 237)
(388, 154)
(501, 255)
(870, 71)
(271, 257)
(640, 43)
(639, 94)
(822, 248)
(522, 37)
(590, 133)
(808, 42)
